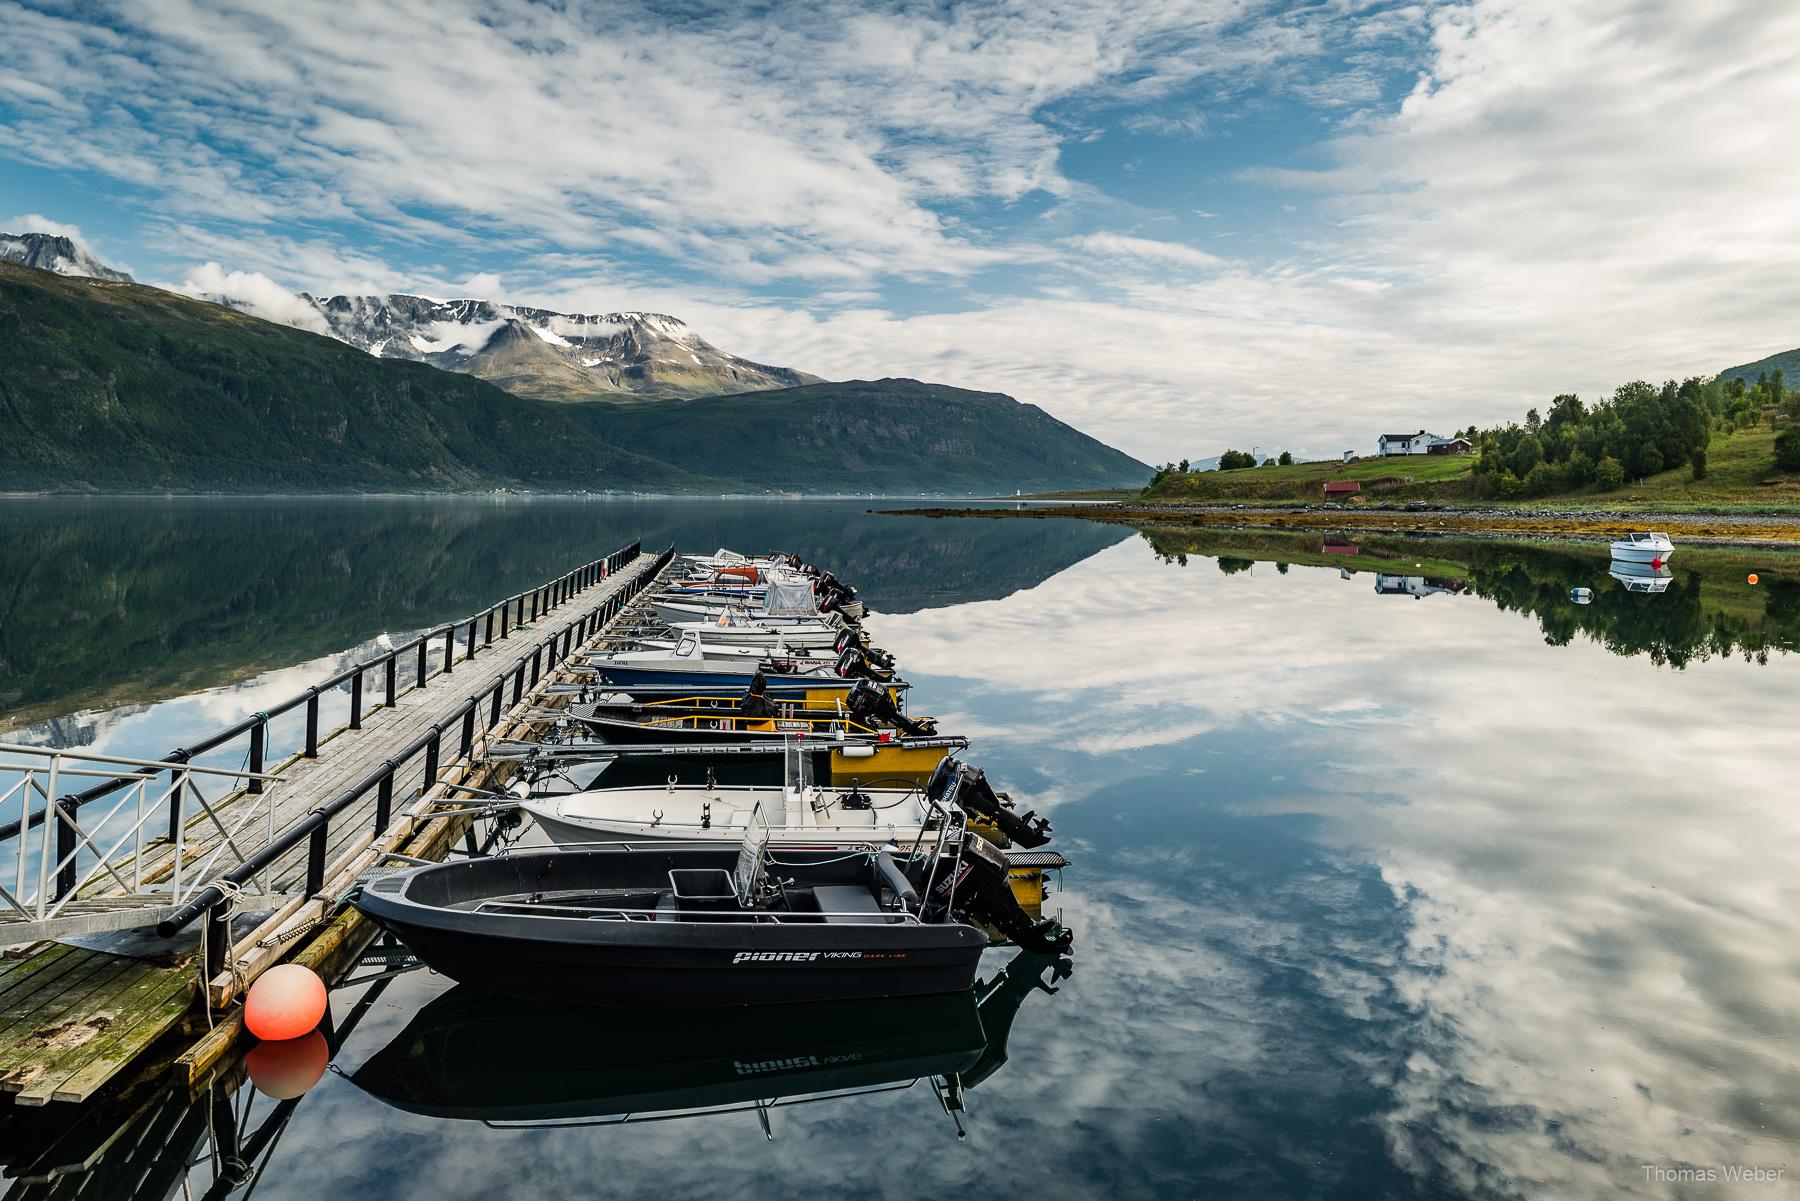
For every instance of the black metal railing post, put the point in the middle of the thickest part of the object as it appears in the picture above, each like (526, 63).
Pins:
(384, 801)
(259, 734)
(505, 617)
(432, 752)
(519, 682)
(468, 731)
(317, 845)
(356, 701)
(66, 842)
(422, 652)
(449, 649)
(471, 653)
(391, 681)
(488, 639)
(312, 724)
(494, 717)
(218, 949)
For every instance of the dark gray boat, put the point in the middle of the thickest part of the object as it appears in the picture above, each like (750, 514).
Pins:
(694, 926)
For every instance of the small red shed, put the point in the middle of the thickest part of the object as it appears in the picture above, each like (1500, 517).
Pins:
(1341, 489)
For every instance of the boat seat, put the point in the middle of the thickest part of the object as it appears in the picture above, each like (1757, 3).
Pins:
(849, 905)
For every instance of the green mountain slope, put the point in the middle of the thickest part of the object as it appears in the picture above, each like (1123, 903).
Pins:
(1787, 360)
(889, 435)
(117, 386)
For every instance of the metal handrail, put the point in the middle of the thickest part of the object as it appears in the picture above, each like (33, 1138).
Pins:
(543, 599)
(315, 825)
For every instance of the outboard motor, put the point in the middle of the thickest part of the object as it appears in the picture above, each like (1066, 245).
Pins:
(846, 639)
(974, 885)
(977, 796)
(878, 657)
(853, 664)
(870, 703)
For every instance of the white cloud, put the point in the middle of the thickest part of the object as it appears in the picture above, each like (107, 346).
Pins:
(37, 223)
(1573, 195)
(1146, 250)
(255, 294)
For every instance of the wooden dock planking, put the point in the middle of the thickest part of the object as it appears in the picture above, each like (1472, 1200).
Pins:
(73, 1029)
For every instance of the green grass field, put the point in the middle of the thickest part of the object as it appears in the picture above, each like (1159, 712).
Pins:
(1740, 471)
(1396, 475)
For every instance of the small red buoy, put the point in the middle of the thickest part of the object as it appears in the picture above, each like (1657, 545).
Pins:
(1656, 563)
(285, 1002)
(1753, 577)
(286, 1069)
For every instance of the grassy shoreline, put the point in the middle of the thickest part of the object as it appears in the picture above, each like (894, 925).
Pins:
(1745, 527)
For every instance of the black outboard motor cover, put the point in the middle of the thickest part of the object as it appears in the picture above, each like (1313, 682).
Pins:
(977, 796)
(869, 703)
(976, 887)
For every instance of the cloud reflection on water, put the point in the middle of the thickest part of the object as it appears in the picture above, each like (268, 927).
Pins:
(1593, 855)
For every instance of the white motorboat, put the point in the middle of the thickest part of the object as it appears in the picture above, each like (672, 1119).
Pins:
(810, 816)
(1643, 547)
(744, 633)
(797, 813)
(692, 648)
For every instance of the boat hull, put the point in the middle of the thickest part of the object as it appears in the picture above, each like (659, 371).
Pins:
(678, 964)
(1625, 552)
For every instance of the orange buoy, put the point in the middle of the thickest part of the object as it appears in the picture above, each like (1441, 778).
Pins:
(285, 1002)
(286, 1069)
(1753, 577)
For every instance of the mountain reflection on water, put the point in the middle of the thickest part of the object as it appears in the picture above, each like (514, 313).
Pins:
(1398, 893)
(112, 601)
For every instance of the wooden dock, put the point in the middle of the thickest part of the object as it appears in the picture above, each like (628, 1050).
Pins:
(250, 866)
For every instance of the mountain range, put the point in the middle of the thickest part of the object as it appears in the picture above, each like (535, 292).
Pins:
(545, 354)
(115, 386)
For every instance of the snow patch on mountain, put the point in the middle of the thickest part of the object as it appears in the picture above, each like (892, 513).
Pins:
(62, 252)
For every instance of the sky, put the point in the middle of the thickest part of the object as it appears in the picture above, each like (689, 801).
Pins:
(1180, 225)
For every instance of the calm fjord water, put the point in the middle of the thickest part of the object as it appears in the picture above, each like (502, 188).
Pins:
(1413, 882)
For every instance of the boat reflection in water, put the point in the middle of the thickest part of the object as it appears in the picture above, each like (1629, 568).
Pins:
(1417, 586)
(480, 1057)
(1641, 577)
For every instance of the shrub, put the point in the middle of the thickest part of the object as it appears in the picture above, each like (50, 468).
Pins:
(1542, 480)
(1698, 461)
(1609, 474)
(1232, 460)
(1286, 459)
(1787, 449)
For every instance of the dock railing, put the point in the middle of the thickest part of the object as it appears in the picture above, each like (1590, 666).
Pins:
(74, 853)
(45, 881)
